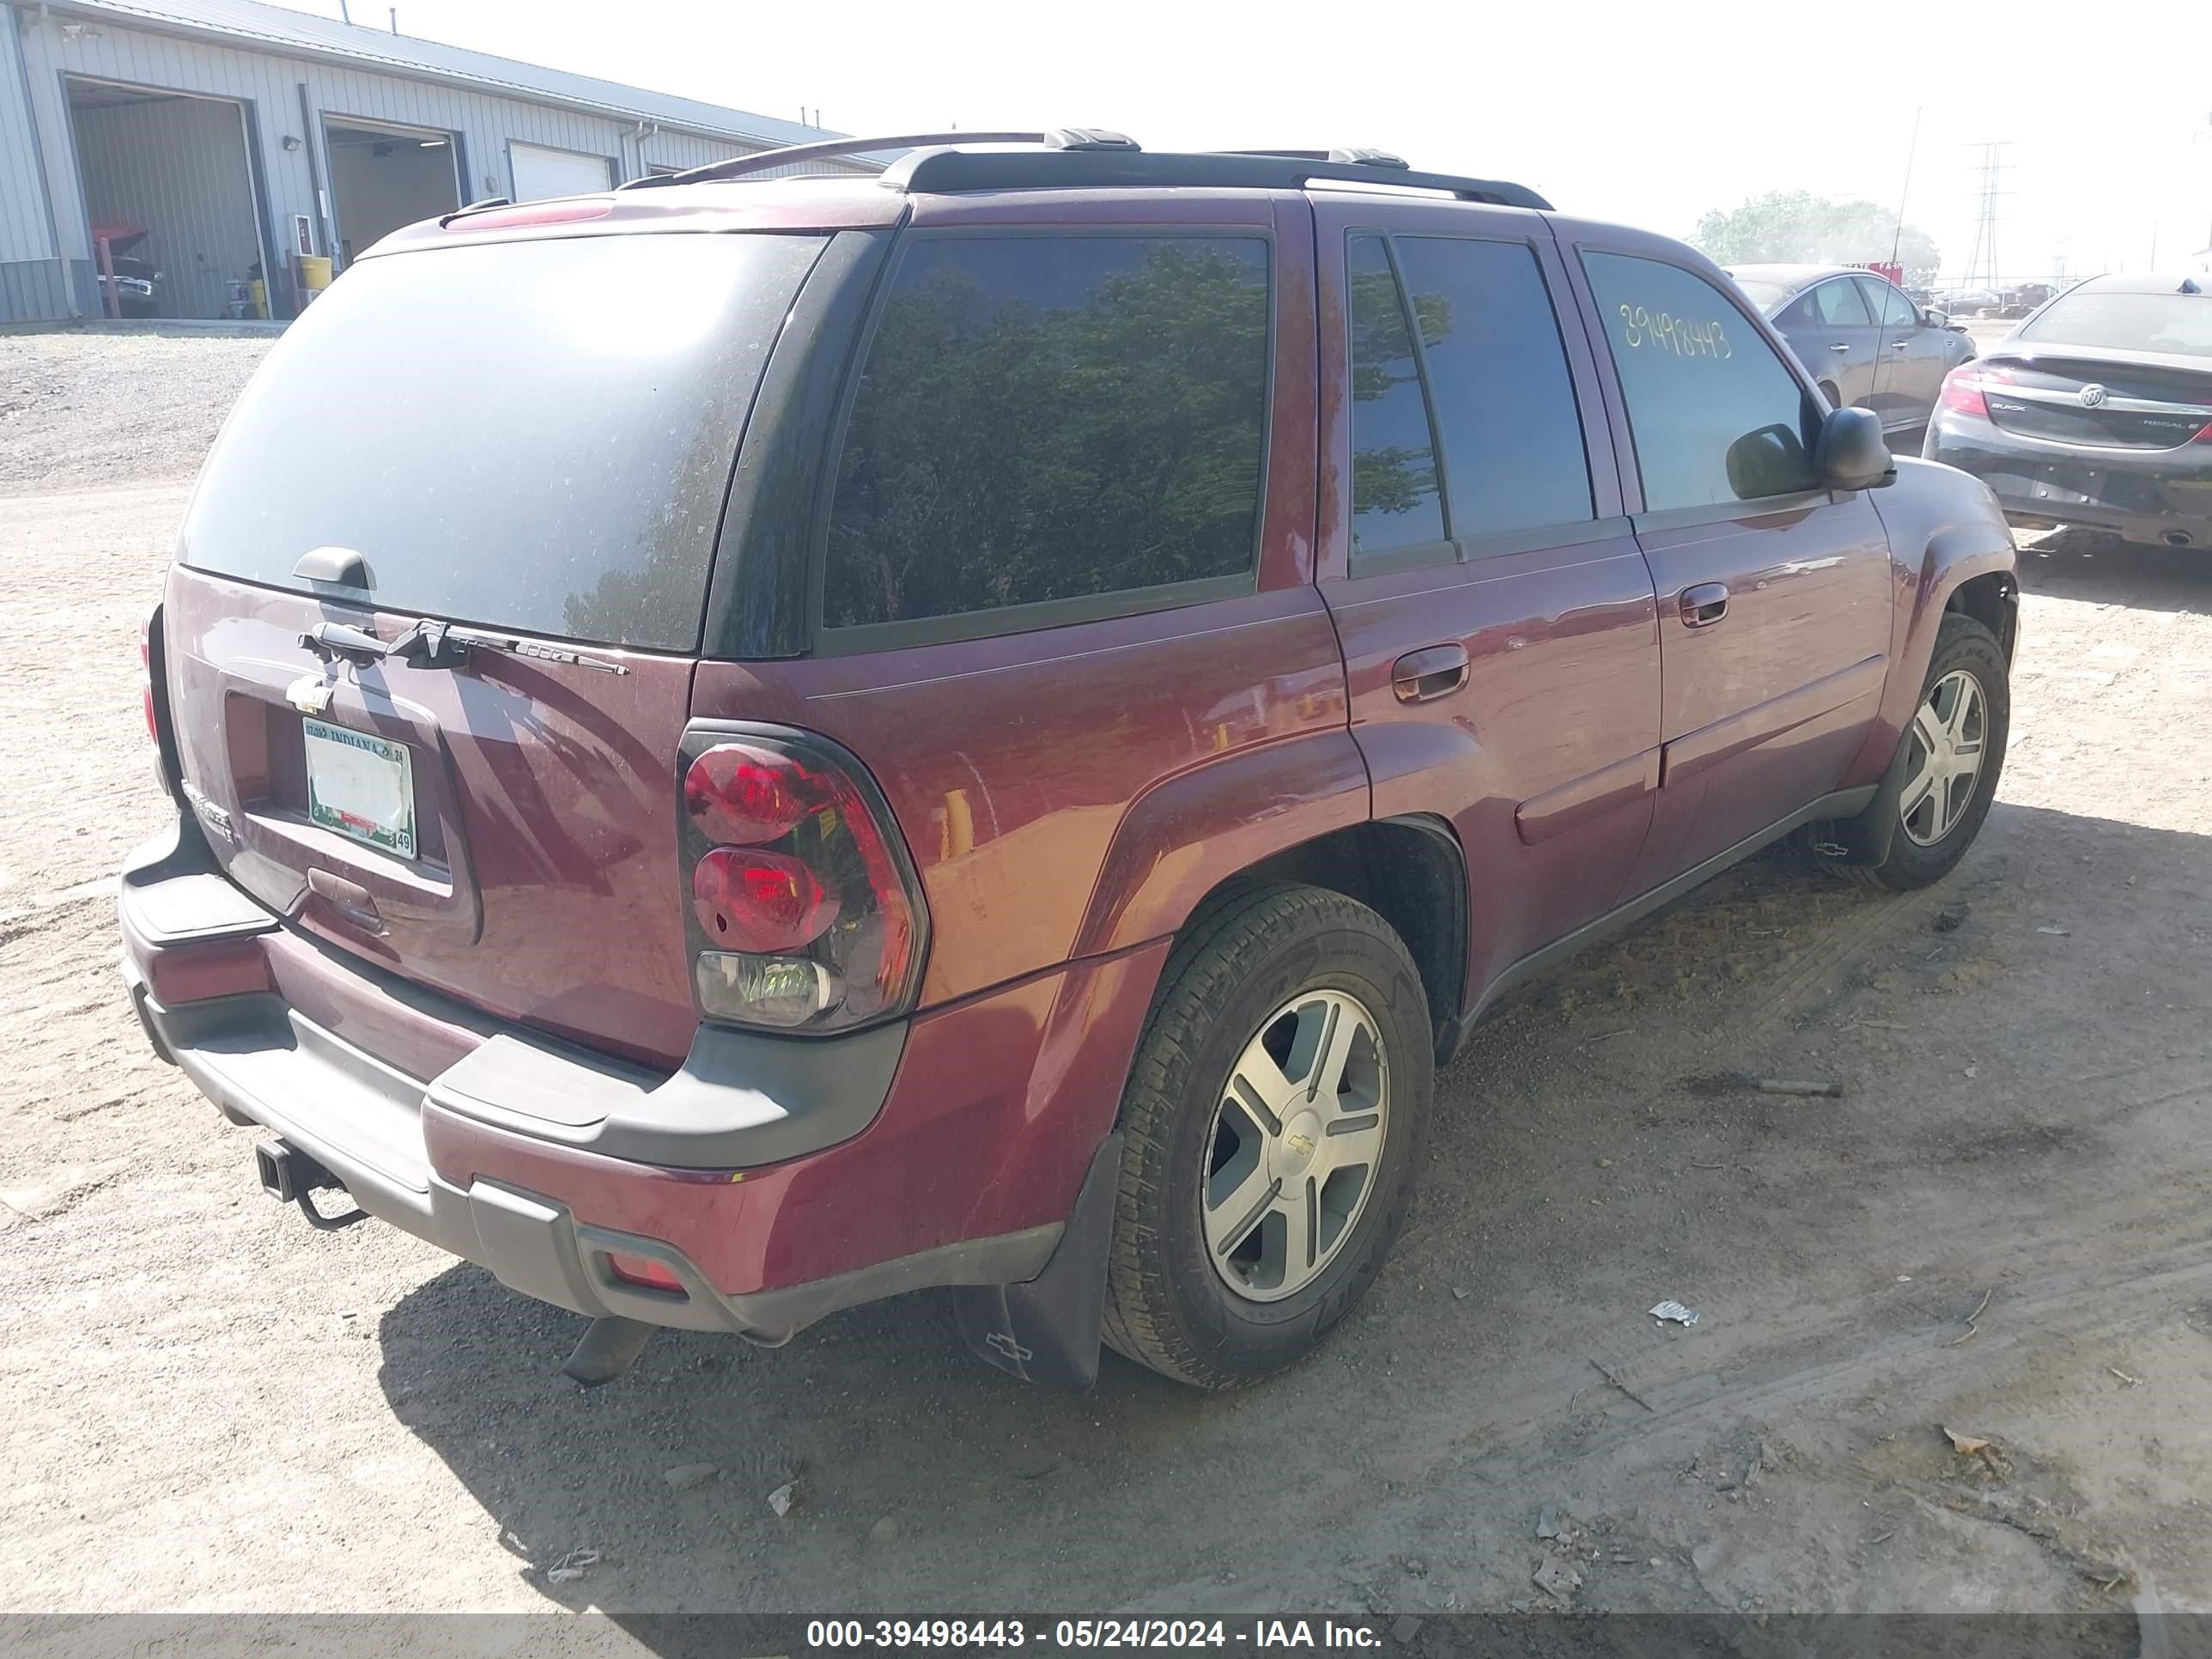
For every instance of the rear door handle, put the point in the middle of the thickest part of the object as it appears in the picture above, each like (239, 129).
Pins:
(1704, 605)
(1840, 345)
(1435, 671)
(1899, 345)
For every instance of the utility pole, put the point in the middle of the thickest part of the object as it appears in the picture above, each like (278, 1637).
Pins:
(1982, 266)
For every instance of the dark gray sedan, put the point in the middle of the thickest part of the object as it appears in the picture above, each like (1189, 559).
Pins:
(2095, 411)
(1867, 345)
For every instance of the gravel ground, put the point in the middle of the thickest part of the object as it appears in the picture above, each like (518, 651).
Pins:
(83, 408)
(1999, 1229)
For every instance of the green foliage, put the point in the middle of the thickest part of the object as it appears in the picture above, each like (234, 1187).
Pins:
(1795, 226)
(1005, 451)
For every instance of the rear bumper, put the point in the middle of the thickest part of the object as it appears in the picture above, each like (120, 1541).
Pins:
(778, 1179)
(2156, 495)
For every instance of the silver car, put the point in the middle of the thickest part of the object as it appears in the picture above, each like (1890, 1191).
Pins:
(1867, 345)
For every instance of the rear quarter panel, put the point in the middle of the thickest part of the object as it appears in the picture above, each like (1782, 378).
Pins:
(1073, 791)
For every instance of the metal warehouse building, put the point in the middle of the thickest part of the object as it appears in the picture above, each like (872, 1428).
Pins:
(220, 140)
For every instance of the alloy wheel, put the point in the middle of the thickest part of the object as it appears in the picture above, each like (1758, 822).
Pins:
(1949, 733)
(1295, 1145)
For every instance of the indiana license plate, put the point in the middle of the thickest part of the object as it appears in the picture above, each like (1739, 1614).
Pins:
(360, 787)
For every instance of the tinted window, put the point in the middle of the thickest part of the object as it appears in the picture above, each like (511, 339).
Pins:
(1716, 417)
(2180, 323)
(1840, 306)
(1505, 404)
(1043, 417)
(1891, 308)
(537, 435)
(1394, 500)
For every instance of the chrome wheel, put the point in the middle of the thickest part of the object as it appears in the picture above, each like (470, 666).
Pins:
(1948, 735)
(1295, 1145)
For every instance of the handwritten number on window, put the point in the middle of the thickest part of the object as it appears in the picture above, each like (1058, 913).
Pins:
(1678, 335)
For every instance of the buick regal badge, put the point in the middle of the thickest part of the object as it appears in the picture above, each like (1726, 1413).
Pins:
(2092, 396)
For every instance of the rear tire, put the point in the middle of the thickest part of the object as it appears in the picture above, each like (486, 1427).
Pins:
(1964, 715)
(1256, 1204)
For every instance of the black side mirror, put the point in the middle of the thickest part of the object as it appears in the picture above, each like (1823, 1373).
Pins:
(1851, 453)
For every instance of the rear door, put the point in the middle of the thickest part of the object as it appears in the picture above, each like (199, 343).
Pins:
(1497, 619)
(501, 436)
(1774, 595)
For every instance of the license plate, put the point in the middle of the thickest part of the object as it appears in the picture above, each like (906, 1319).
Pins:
(360, 787)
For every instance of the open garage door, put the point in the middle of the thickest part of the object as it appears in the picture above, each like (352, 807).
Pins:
(383, 177)
(539, 171)
(167, 183)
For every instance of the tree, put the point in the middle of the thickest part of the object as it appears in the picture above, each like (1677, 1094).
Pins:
(1791, 226)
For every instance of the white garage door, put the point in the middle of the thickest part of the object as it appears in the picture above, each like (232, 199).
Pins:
(539, 171)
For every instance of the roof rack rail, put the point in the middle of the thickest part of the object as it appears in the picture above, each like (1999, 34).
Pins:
(1076, 157)
(951, 171)
(1350, 156)
(1076, 138)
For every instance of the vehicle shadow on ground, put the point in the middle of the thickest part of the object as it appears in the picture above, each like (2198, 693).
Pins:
(2100, 567)
(925, 1482)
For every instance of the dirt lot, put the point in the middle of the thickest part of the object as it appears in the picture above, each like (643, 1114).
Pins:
(2004, 1227)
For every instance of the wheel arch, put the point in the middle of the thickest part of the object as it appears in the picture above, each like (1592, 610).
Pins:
(1410, 871)
(1993, 600)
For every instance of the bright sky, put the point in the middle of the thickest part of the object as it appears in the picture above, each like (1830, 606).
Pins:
(1651, 114)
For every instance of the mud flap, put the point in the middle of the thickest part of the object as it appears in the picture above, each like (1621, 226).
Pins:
(1866, 838)
(1045, 1330)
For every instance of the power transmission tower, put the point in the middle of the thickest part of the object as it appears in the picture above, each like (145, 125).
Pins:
(1982, 264)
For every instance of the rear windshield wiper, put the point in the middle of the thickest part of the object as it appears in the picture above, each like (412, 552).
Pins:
(438, 645)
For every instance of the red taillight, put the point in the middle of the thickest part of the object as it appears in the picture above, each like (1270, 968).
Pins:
(2205, 436)
(807, 916)
(637, 1270)
(146, 673)
(741, 796)
(749, 900)
(1962, 392)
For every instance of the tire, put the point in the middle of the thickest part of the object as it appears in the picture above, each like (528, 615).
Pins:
(1963, 646)
(1260, 970)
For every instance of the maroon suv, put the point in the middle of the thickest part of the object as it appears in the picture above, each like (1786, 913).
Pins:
(744, 746)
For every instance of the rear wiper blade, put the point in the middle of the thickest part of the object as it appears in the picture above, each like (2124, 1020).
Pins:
(440, 645)
(521, 648)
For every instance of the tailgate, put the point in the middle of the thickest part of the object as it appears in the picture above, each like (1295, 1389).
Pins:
(536, 878)
(532, 440)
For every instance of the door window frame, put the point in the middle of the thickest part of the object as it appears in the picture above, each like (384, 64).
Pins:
(1878, 293)
(1468, 549)
(1582, 240)
(864, 637)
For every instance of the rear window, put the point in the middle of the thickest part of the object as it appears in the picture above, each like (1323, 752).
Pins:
(2177, 323)
(534, 435)
(1050, 418)
(1763, 295)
